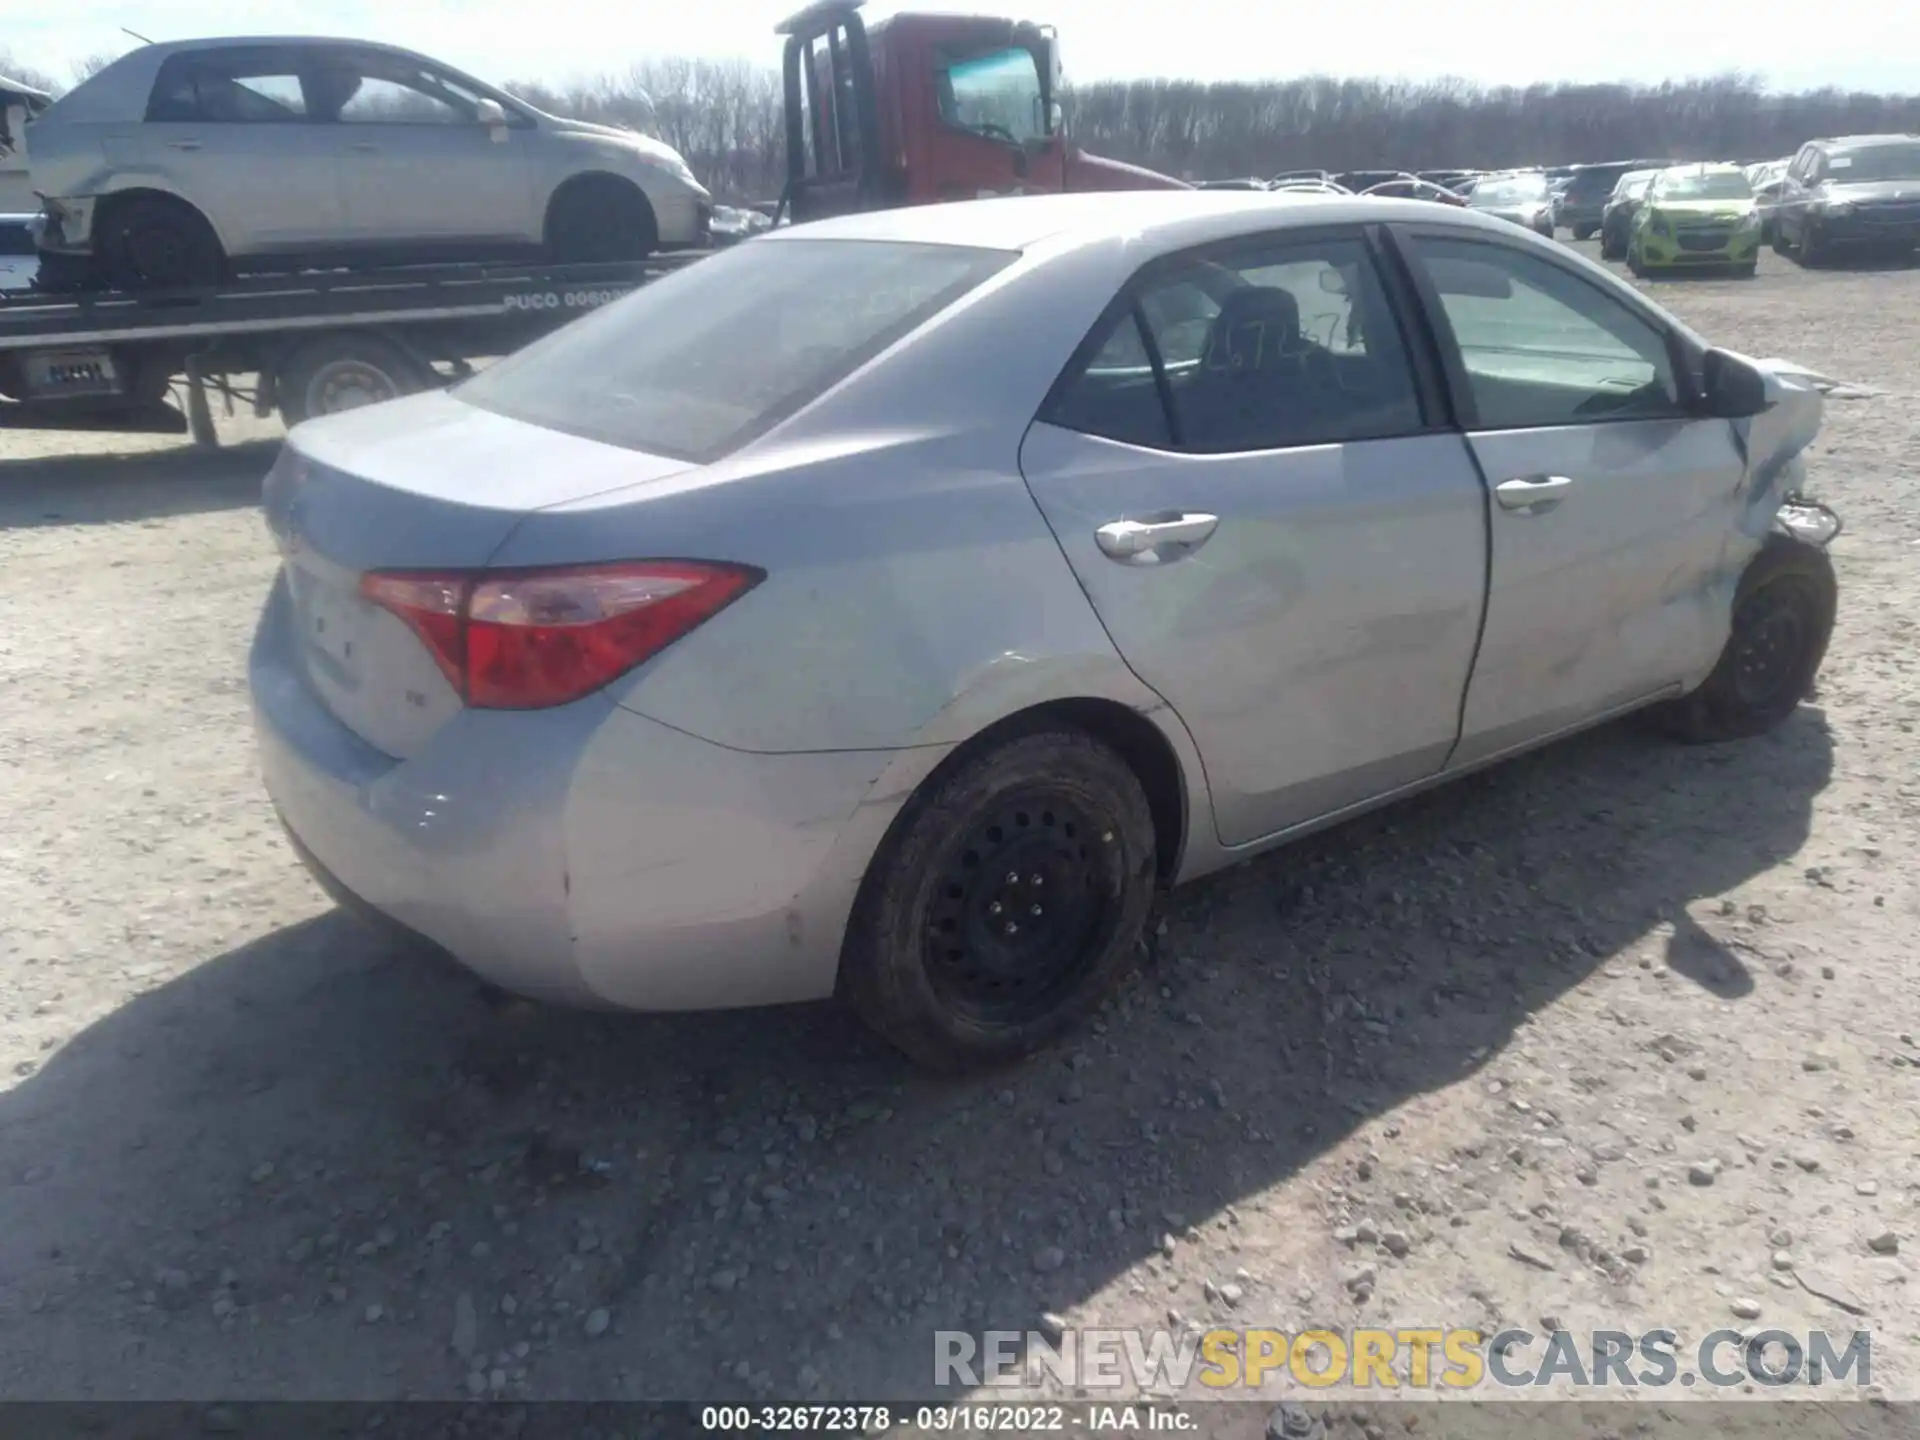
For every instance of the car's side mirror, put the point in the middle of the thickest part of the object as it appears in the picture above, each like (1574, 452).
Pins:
(490, 114)
(1731, 388)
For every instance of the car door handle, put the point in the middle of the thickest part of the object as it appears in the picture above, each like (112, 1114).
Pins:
(184, 144)
(1132, 539)
(1531, 490)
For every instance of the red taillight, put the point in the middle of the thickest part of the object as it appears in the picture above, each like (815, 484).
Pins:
(525, 639)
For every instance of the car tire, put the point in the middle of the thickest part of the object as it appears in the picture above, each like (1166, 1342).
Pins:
(331, 374)
(1748, 272)
(1635, 265)
(1583, 232)
(1783, 615)
(600, 220)
(1811, 252)
(934, 961)
(155, 242)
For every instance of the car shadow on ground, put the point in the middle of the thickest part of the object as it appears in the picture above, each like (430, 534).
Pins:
(115, 488)
(767, 1202)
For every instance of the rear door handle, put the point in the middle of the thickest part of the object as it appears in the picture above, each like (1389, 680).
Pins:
(1135, 539)
(1531, 490)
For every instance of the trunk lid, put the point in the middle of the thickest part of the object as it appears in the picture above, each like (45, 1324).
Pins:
(425, 483)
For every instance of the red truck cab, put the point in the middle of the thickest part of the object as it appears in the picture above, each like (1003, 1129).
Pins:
(921, 108)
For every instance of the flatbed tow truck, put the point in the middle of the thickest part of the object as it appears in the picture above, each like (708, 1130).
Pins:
(874, 117)
(307, 344)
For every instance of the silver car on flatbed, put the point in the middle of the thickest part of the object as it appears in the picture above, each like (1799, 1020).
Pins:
(182, 161)
(890, 605)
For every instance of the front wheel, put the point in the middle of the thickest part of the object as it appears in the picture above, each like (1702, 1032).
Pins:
(1783, 615)
(1583, 232)
(1004, 904)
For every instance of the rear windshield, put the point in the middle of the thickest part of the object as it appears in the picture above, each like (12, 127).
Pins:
(1594, 182)
(698, 363)
(1524, 190)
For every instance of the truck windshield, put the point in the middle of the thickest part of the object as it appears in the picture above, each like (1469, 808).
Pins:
(996, 95)
(698, 363)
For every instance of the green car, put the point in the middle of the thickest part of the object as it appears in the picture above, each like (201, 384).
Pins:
(1694, 216)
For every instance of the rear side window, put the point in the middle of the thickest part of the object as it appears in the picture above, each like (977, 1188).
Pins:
(1287, 345)
(698, 364)
(235, 85)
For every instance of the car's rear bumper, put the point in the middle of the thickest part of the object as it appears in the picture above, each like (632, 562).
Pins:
(1584, 217)
(584, 854)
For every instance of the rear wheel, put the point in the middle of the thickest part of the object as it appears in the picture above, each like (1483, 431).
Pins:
(1005, 904)
(600, 220)
(335, 373)
(1812, 250)
(1583, 232)
(154, 242)
(1783, 614)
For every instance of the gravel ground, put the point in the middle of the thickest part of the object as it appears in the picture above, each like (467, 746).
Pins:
(1620, 1034)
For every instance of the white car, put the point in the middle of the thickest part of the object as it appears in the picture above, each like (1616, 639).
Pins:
(180, 162)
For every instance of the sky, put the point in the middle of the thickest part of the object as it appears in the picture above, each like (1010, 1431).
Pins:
(1863, 44)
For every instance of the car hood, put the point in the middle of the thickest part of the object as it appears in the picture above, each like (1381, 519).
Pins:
(1704, 209)
(1873, 190)
(632, 139)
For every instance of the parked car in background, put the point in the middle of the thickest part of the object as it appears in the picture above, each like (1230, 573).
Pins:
(1851, 195)
(1288, 175)
(1410, 188)
(1308, 187)
(1447, 179)
(1245, 182)
(889, 607)
(1584, 201)
(1616, 220)
(1769, 189)
(1694, 216)
(20, 103)
(1521, 200)
(180, 162)
(1358, 180)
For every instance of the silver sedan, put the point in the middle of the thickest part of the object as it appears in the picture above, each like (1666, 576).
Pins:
(180, 161)
(889, 606)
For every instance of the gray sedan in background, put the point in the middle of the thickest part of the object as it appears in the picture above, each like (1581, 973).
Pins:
(179, 162)
(889, 606)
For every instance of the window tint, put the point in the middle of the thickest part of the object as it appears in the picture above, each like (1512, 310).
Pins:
(996, 95)
(1540, 345)
(1293, 345)
(699, 363)
(238, 85)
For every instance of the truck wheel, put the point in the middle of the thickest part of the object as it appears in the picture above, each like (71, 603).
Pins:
(154, 242)
(335, 373)
(1783, 615)
(1583, 232)
(600, 220)
(1005, 903)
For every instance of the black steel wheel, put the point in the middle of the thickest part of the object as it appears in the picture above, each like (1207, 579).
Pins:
(1783, 616)
(600, 219)
(1005, 903)
(155, 242)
